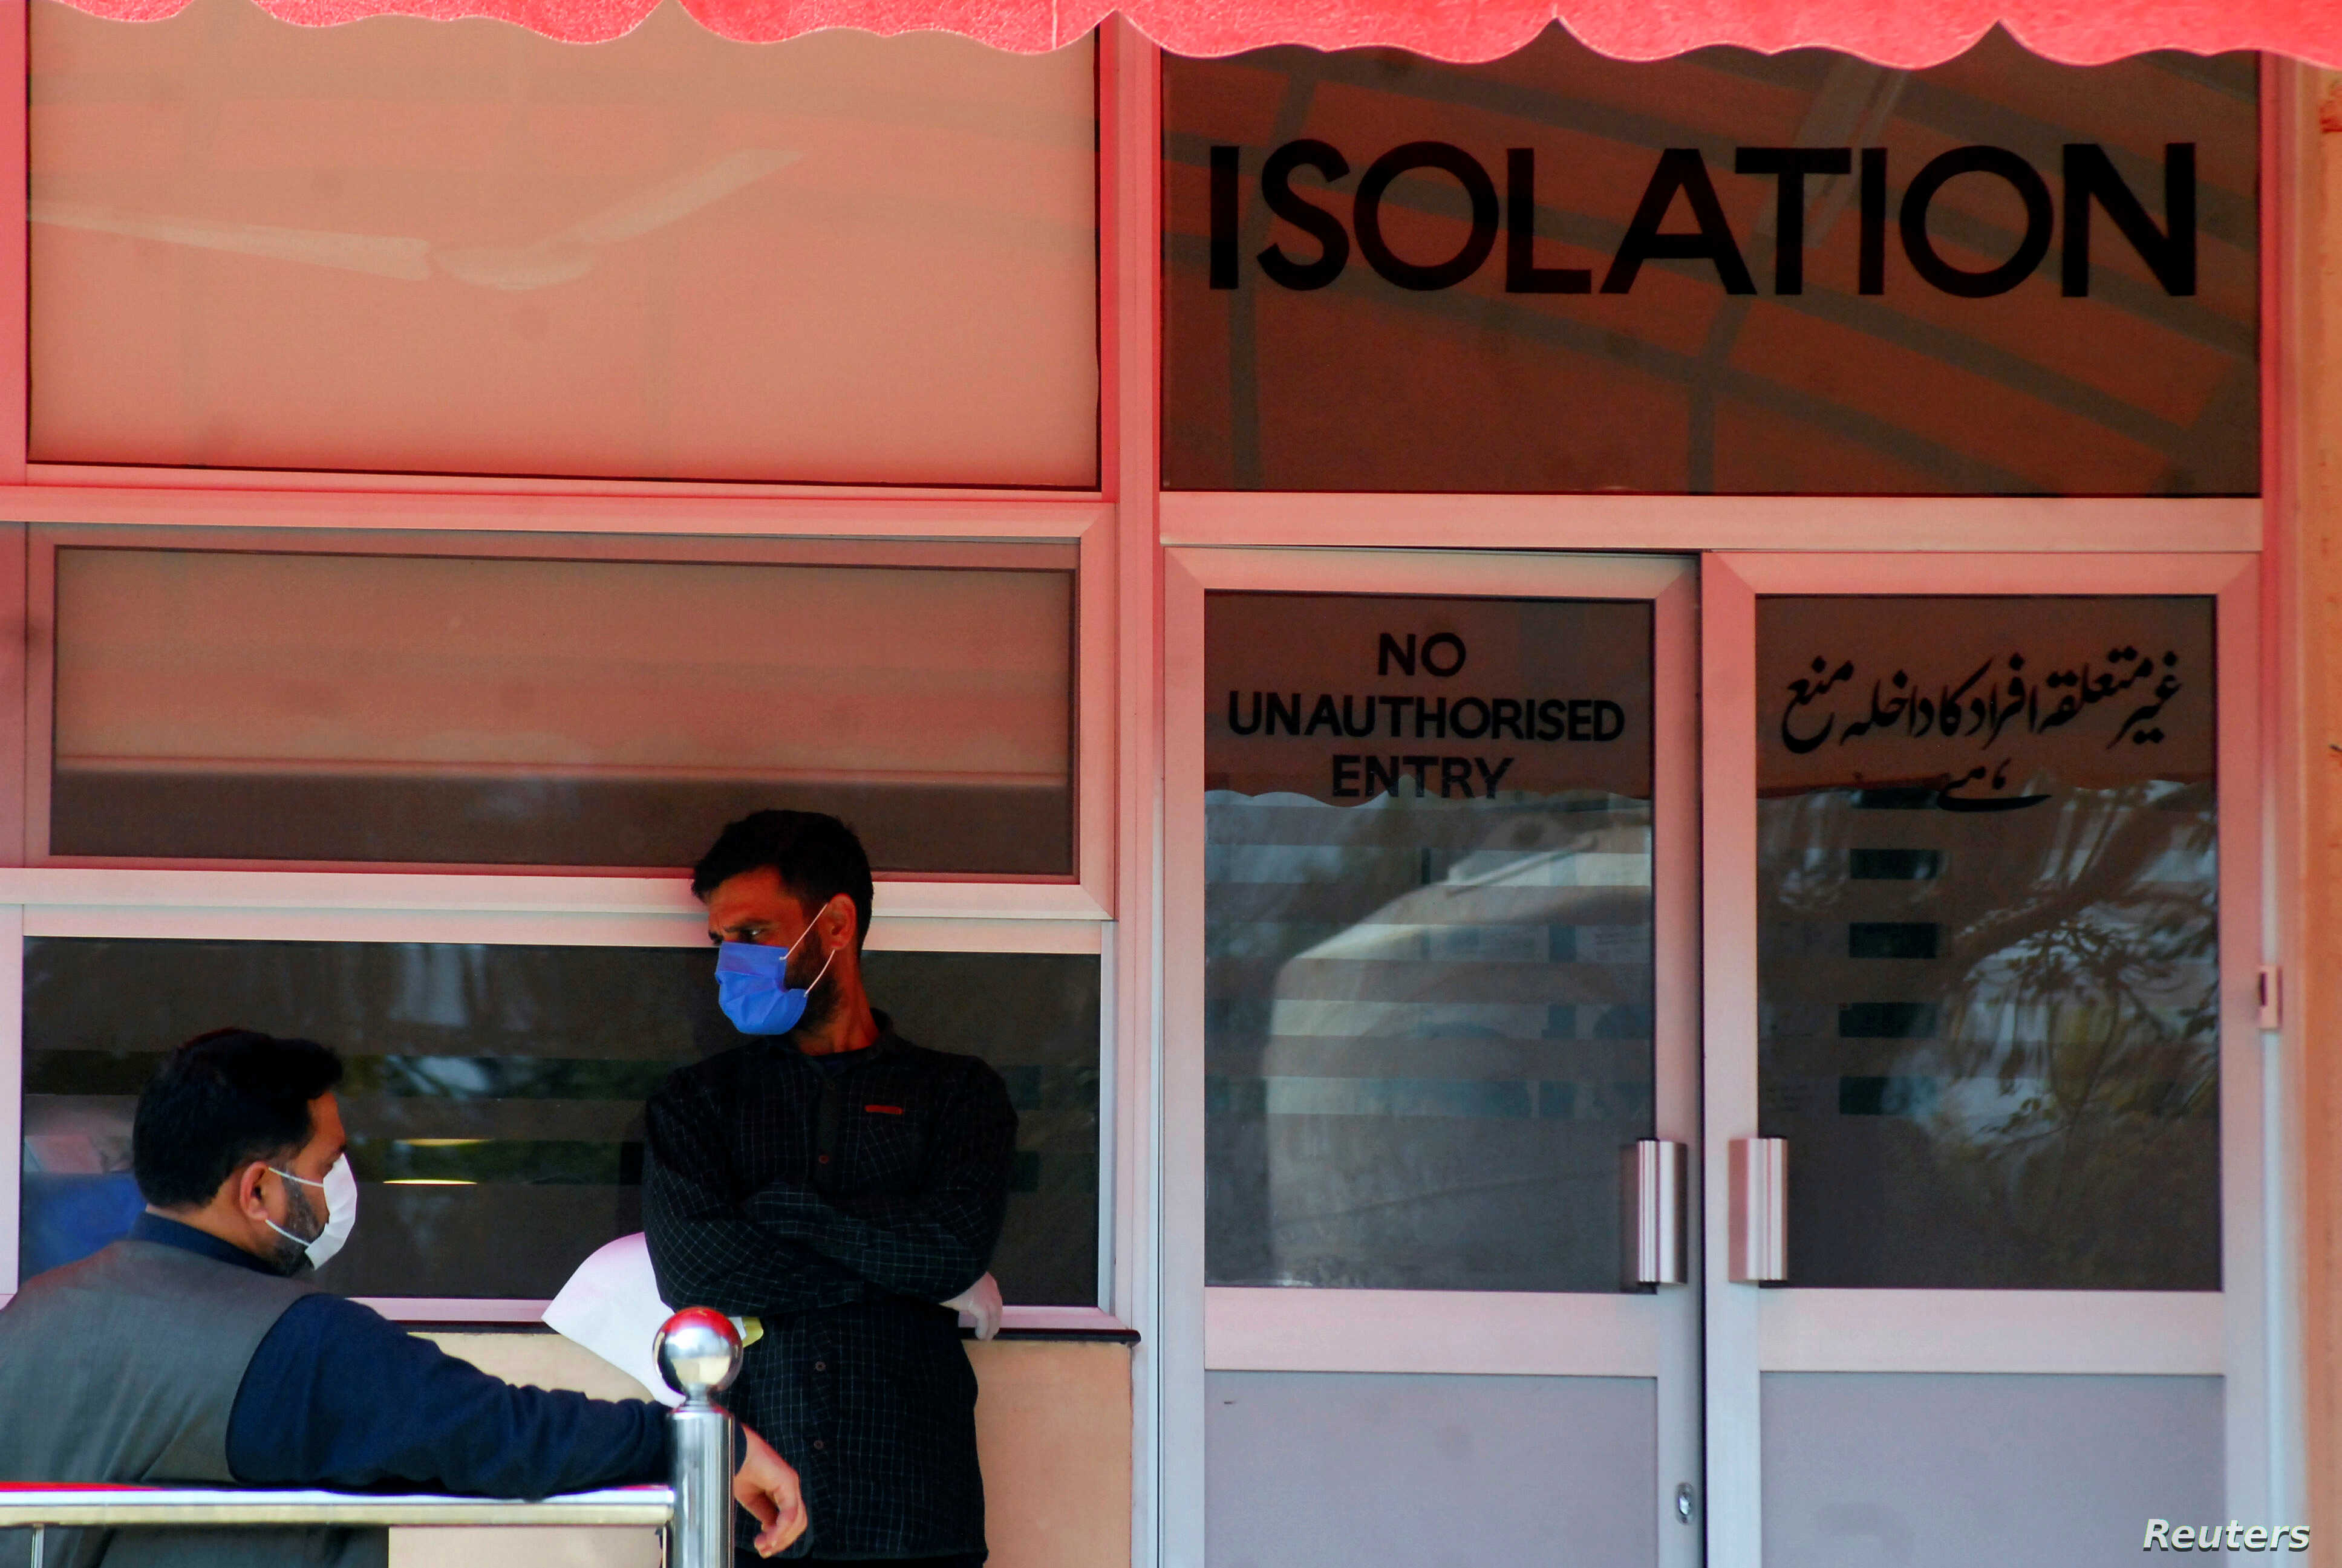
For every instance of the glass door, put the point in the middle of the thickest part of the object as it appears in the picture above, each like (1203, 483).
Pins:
(1432, 1061)
(1983, 1089)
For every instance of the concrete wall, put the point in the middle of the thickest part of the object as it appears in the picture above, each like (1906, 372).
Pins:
(1053, 1425)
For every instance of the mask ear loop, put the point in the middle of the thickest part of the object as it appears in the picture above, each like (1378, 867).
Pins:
(829, 958)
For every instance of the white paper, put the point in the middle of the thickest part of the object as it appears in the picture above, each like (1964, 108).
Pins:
(611, 1306)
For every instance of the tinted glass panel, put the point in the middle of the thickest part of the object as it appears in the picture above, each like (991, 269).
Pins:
(1550, 273)
(395, 244)
(495, 1094)
(1427, 929)
(1988, 1019)
(564, 712)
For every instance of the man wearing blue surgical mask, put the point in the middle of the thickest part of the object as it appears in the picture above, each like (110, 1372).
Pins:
(842, 1187)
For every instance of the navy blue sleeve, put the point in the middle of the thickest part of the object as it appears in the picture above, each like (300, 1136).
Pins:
(338, 1396)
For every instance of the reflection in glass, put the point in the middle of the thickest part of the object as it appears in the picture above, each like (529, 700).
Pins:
(1495, 340)
(251, 705)
(1988, 940)
(493, 1095)
(1427, 929)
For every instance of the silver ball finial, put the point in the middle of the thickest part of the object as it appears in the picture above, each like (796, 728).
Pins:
(698, 1353)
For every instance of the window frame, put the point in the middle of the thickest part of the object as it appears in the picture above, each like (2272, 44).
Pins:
(662, 920)
(428, 513)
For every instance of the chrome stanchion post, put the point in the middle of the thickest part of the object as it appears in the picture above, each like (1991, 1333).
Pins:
(698, 1353)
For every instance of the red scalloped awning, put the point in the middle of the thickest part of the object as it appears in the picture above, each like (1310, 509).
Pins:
(2081, 32)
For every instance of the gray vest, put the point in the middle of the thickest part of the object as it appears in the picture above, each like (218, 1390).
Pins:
(124, 1367)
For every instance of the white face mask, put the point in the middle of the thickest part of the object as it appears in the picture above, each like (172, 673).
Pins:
(341, 1190)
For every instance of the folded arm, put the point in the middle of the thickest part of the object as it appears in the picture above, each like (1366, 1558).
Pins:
(708, 1251)
(931, 1244)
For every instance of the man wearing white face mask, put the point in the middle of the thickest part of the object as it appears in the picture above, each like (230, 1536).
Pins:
(192, 1352)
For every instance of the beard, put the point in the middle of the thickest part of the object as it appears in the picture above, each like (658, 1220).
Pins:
(821, 998)
(300, 1218)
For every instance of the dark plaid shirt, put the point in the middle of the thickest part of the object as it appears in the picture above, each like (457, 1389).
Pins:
(838, 1202)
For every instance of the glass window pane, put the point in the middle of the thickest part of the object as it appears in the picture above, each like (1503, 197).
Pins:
(418, 708)
(1547, 273)
(1988, 958)
(1427, 938)
(495, 1093)
(402, 245)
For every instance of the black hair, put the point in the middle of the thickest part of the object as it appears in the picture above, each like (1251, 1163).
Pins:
(219, 1101)
(815, 855)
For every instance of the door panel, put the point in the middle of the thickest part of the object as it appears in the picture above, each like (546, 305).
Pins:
(1992, 986)
(1431, 972)
(1928, 1471)
(1333, 1470)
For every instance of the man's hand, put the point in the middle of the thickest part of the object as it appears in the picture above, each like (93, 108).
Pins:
(767, 1486)
(980, 1301)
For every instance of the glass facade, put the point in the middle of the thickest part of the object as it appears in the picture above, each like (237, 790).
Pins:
(1375, 977)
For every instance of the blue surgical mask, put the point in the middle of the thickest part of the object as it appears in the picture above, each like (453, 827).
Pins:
(751, 983)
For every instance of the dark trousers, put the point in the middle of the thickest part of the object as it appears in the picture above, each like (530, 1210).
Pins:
(747, 1555)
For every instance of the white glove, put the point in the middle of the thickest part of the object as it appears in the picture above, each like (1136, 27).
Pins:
(979, 1304)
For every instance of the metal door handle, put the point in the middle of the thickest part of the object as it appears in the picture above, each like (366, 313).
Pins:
(1653, 1235)
(1760, 1210)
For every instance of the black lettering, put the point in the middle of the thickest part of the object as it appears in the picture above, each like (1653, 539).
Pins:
(1380, 778)
(2039, 221)
(1479, 725)
(2169, 252)
(1609, 721)
(1503, 714)
(1397, 705)
(1387, 650)
(1223, 216)
(1366, 214)
(1277, 711)
(1235, 728)
(1790, 166)
(1522, 275)
(1550, 721)
(1457, 771)
(1428, 714)
(1870, 267)
(1489, 781)
(1351, 727)
(1418, 765)
(1680, 169)
(1581, 719)
(1442, 640)
(1324, 715)
(1276, 190)
(1345, 775)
